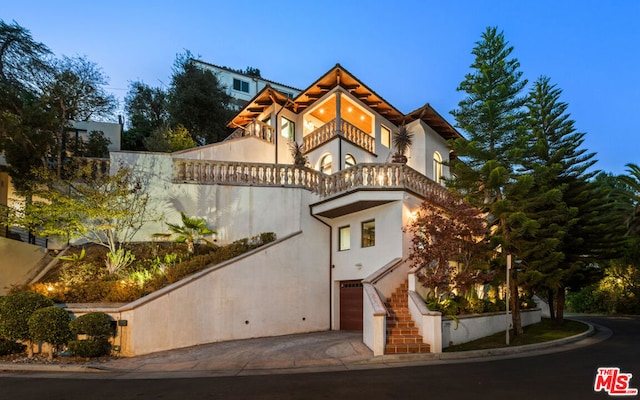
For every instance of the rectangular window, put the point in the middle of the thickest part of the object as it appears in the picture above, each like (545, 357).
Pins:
(288, 128)
(240, 85)
(369, 233)
(344, 238)
(385, 136)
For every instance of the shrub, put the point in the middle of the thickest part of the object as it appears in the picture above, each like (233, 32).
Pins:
(94, 325)
(10, 347)
(15, 312)
(90, 348)
(50, 325)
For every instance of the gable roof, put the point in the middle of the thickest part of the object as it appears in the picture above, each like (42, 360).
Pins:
(339, 76)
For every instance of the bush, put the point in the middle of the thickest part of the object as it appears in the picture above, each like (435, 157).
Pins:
(90, 348)
(10, 347)
(50, 325)
(15, 312)
(94, 325)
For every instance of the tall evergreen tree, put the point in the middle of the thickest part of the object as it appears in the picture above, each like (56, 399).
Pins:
(147, 110)
(493, 115)
(198, 101)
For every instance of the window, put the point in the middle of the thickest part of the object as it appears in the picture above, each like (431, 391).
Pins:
(240, 85)
(344, 238)
(437, 167)
(385, 136)
(349, 161)
(288, 128)
(369, 233)
(325, 164)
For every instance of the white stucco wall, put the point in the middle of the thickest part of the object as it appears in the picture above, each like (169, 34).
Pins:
(273, 291)
(234, 212)
(472, 327)
(246, 149)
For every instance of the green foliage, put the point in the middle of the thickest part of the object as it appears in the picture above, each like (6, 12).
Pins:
(191, 231)
(50, 325)
(617, 293)
(15, 311)
(94, 324)
(10, 347)
(75, 257)
(166, 139)
(119, 259)
(198, 101)
(402, 140)
(97, 145)
(146, 108)
(96, 347)
(149, 274)
(297, 153)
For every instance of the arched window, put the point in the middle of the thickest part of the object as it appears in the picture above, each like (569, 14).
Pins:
(349, 161)
(437, 167)
(325, 164)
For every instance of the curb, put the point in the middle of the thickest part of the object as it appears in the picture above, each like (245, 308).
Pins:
(379, 361)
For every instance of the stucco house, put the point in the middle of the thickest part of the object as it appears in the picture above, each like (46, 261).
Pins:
(341, 250)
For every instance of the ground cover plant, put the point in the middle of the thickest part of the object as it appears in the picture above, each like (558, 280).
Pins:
(80, 276)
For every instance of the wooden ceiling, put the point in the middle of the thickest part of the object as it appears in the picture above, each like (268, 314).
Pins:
(338, 76)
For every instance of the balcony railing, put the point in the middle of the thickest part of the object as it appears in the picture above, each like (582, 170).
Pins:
(255, 128)
(329, 130)
(360, 176)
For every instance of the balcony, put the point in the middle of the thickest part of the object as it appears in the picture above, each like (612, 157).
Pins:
(347, 130)
(377, 176)
(256, 129)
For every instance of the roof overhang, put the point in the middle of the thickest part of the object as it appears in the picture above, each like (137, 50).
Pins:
(355, 201)
(340, 77)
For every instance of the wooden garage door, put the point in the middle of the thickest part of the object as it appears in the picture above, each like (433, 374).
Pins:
(351, 305)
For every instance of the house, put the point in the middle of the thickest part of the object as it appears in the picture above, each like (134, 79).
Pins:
(242, 87)
(342, 249)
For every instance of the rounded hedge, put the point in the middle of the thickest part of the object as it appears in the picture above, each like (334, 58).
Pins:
(15, 311)
(94, 324)
(10, 347)
(90, 348)
(50, 325)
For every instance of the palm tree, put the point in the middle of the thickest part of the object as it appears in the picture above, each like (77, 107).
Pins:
(402, 140)
(191, 231)
(632, 202)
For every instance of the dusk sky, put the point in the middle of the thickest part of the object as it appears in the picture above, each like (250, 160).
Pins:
(409, 52)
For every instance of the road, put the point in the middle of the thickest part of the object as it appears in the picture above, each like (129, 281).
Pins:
(561, 375)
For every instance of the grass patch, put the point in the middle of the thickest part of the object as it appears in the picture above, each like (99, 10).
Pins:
(544, 331)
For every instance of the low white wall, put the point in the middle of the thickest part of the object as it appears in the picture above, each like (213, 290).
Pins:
(374, 321)
(268, 292)
(472, 327)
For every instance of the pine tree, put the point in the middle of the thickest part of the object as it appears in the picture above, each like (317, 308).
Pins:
(573, 212)
(493, 115)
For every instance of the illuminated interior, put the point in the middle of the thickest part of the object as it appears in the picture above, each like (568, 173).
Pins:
(349, 111)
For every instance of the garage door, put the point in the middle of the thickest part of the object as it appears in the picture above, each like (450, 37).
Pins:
(351, 305)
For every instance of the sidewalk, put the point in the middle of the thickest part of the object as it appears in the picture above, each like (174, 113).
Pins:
(310, 352)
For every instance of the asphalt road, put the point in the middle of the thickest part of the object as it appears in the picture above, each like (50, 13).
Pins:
(562, 375)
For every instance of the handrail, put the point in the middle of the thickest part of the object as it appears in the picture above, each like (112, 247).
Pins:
(346, 129)
(360, 176)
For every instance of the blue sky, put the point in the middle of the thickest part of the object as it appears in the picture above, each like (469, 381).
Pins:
(409, 52)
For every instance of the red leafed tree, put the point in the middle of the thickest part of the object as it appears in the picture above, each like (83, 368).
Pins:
(448, 245)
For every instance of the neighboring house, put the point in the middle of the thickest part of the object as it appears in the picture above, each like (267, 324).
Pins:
(79, 130)
(241, 86)
(112, 131)
(342, 248)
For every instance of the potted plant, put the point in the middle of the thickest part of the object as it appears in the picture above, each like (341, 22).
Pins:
(402, 140)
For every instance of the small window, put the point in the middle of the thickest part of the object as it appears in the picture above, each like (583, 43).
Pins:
(325, 164)
(349, 161)
(369, 233)
(344, 238)
(288, 128)
(240, 85)
(437, 167)
(385, 136)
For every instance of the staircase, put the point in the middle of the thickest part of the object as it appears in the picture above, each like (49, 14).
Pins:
(402, 333)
